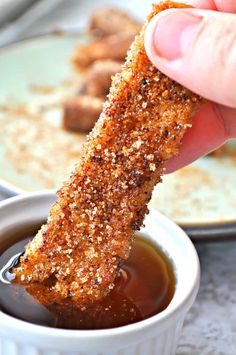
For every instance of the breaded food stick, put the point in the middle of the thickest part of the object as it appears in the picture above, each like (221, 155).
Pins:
(99, 77)
(81, 113)
(112, 47)
(109, 20)
(90, 228)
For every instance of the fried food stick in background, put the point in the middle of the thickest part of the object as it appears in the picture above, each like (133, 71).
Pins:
(91, 227)
(99, 77)
(115, 31)
(82, 111)
(109, 20)
(113, 47)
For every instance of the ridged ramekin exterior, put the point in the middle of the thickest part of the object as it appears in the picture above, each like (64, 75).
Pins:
(163, 344)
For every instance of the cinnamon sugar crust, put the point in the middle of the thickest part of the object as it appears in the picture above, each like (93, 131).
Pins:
(90, 229)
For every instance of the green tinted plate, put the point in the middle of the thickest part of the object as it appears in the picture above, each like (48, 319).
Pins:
(37, 153)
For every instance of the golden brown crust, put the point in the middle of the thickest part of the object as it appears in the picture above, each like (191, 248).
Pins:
(91, 227)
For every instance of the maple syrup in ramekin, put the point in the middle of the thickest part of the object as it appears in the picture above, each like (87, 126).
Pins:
(144, 287)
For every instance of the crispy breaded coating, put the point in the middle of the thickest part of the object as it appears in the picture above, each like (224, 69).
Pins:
(81, 113)
(91, 227)
(109, 20)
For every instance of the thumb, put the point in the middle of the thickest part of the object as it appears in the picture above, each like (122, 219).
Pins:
(197, 48)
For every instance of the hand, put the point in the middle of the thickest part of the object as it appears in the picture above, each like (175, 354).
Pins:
(197, 48)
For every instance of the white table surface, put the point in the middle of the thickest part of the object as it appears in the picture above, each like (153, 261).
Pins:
(210, 327)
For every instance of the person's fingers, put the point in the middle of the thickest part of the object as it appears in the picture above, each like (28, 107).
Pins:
(228, 115)
(200, 4)
(197, 48)
(226, 5)
(220, 5)
(207, 133)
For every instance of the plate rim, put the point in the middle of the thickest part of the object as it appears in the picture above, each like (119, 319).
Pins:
(42, 36)
(211, 232)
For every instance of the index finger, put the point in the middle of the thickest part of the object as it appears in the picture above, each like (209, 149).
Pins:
(200, 4)
(207, 133)
(220, 5)
(226, 5)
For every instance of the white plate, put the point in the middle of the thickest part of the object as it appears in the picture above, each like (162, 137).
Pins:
(36, 77)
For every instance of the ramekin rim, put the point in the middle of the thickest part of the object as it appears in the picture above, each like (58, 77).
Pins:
(159, 318)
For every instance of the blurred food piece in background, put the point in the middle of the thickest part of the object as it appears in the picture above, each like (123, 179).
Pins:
(99, 77)
(113, 47)
(113, 32)
(109, 20)
(82, 111)
(84, 107)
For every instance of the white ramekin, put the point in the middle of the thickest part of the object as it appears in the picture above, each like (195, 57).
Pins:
(157, 335)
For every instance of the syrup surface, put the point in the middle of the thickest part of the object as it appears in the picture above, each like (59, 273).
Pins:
(144, 287)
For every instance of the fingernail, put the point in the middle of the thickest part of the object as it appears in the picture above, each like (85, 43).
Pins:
(174, 32)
